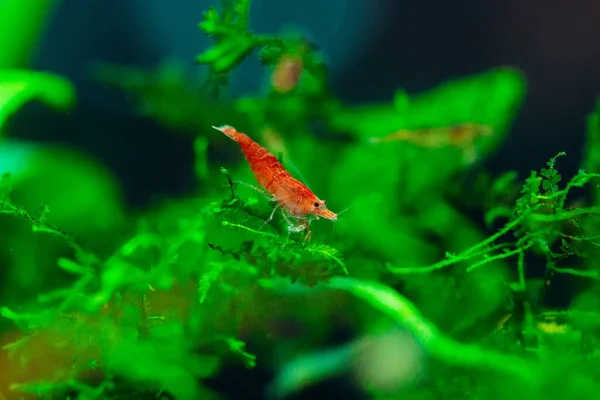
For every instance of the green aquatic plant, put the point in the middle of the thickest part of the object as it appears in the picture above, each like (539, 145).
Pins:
(156, 303)
(22, 28)
(18, 87)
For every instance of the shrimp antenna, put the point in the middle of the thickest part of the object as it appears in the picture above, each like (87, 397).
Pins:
(346, 209)
(296, 170)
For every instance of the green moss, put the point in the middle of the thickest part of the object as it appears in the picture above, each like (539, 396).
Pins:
(158, 302)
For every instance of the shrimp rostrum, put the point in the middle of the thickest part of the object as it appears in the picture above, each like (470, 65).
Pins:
(296, 201)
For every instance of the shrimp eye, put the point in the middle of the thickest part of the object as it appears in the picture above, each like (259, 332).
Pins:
(316, 204)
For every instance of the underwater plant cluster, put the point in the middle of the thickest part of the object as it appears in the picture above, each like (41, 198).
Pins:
(433, 271)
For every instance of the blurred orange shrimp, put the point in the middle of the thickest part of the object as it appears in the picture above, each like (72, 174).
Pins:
(287, 73)
(294, 198)
(456, 135)
(461, 136)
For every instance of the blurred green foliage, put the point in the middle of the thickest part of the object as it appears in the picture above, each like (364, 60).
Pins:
(107, 303)
(23, 24)
(57, 184)
(18, 87)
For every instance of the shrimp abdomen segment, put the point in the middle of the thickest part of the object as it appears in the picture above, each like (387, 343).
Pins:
(266, 168)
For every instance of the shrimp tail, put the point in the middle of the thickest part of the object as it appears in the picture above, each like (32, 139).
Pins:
(249, 146)
(230, 131)
(263, 164)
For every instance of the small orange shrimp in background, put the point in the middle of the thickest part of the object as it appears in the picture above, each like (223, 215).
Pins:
(461, 136)
(294, 198)
(456, 135)
(287, 73)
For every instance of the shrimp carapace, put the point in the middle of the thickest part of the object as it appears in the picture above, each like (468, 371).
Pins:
(295, 199)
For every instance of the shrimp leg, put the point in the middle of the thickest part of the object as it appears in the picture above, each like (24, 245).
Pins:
(306, 223)
(301, 224)
(291, 226)
(270, 217)
(297, 227)
(308, 235)
(261, 191)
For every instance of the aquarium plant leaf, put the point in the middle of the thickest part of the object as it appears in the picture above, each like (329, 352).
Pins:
(289, 53)
(43, 174)
(233, 42)
(308, 369)
(40, 389)
(402, 311)
(237, 347)
(228, 53)
(166, 362)
(167, 95)
(18, 87)
(22, 29)
(489, 99)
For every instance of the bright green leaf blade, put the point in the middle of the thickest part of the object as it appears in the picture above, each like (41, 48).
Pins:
(402, 311)
(23, 24)
(389, 302)
(18, 87)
